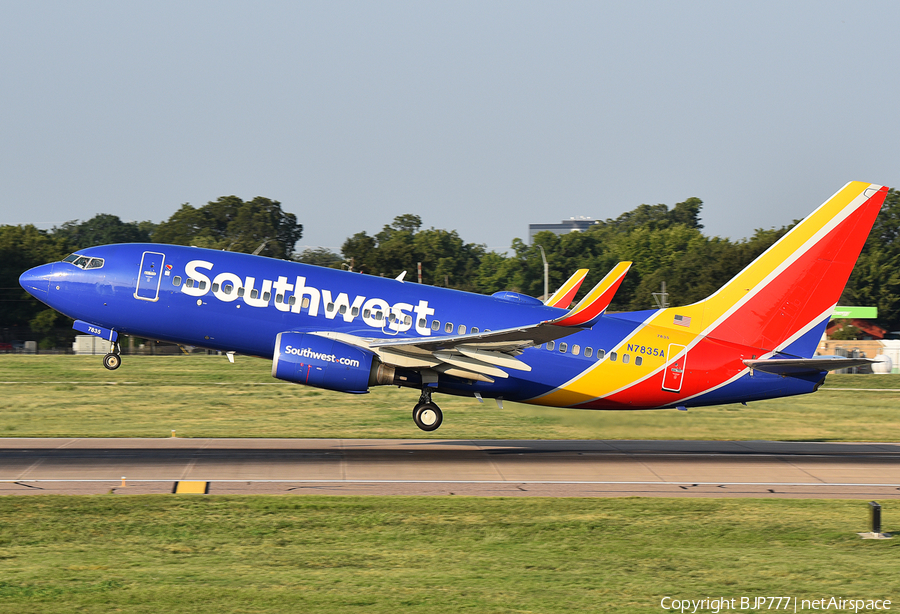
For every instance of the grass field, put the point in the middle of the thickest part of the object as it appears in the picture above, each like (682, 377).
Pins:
(185, 553)
(345, 554)
(206, 396)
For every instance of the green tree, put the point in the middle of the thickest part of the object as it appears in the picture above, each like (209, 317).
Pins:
(401, 245)
(875, 281)
(232, 224)
(360, 251)
(319, 256)
(22, 248)
(102, 229)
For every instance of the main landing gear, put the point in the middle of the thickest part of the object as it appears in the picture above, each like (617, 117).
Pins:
(112, 360)
(426, 414)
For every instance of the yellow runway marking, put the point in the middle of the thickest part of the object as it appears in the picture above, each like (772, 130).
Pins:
(190, 488)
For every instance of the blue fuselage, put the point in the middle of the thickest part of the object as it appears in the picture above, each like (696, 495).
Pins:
(239, 303)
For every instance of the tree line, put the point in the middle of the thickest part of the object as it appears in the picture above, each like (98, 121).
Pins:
(665, 244)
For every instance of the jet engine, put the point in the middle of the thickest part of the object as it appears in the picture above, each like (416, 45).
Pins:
(305, 358)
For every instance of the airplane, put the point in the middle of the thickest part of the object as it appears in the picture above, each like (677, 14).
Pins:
(752, 339)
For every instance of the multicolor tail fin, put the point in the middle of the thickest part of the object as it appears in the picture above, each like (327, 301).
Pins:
(733, 346)
(792, 288)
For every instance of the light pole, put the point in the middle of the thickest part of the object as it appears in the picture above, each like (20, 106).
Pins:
(546, 271)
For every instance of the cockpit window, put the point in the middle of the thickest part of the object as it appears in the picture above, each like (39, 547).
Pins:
(84, 262)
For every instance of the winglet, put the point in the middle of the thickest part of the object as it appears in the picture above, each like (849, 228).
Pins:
(592, 306)
(562, 298)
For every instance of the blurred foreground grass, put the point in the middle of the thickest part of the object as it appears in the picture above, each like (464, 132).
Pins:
(206, 396)
(419, 554)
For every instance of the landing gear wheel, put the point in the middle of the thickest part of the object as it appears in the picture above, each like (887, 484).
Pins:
(428, 416)
(112, 361)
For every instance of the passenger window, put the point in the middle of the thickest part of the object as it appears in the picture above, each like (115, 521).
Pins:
(435, 325)
(462, 329)
(625, 359)
(421, 323)
(576, 350)
(638, 360)
(241, 291)
(448, 327)
(227, 288)
(563, 347)
(254, 293)
(267, 296)
(203, 285)
(329, 307)
(601, 354)
(279, 298)
(474, 330)
(215, 287)
(378, 316)
(407, 320)
(613, 356)
(189, 283)
(588, 352)
(176, 281)
(367, 313)
(342, 310)
(551, 345)
(292, 300)
(304, 304)
(354, 312)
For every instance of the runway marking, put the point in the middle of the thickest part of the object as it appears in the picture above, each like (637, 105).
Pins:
(33, 465)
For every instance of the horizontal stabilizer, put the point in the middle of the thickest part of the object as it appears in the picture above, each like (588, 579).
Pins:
(592, 306)
(805, 366)
(563, 297)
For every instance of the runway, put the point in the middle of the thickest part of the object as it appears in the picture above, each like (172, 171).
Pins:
(450, 467)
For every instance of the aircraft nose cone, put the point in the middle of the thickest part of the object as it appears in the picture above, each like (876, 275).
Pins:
(36, 281)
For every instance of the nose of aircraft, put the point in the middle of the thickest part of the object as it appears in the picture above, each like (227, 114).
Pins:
(36, 281)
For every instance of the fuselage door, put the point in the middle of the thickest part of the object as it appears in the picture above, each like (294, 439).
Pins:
(150, 276)
(673, 376)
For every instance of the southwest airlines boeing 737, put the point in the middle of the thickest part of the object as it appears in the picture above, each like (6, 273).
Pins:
(752, 339)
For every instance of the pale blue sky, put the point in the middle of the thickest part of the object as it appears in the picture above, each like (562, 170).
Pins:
(479, 116)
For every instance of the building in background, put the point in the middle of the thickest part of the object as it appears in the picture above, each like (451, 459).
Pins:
(573, 224)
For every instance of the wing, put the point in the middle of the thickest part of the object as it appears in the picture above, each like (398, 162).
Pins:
(805, 366)
(487, 355)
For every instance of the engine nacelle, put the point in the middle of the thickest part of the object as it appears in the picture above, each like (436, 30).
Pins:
(324, 363)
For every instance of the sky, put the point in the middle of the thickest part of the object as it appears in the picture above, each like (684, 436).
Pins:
(480, 117)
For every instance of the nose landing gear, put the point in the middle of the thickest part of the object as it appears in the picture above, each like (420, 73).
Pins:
(112, 360)
(426, 414)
